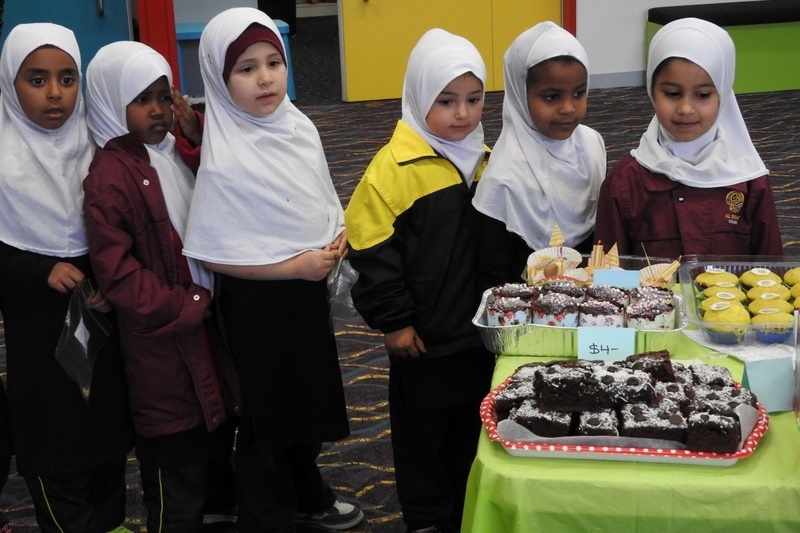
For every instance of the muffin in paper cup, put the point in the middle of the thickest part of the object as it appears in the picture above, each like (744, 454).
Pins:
(769, 301)
(599, 313)
(721, 296)
(792, 276)
(768, 286)
(650, 315)
(773, 326)
(508, 311)
(713, 276)
(555, 309)
(751, 278)
(730, 323)
(730, 288)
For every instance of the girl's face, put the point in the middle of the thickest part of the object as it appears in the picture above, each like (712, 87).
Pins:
(149, 115)
(458, 108)
(557, 97)
(47, 86)
(258, 79)
(685, 99)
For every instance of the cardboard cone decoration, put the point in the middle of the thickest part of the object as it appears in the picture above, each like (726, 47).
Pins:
(556, 238)
(596, 259)
(612, 257)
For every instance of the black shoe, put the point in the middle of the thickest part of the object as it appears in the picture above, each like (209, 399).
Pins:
(341, 515)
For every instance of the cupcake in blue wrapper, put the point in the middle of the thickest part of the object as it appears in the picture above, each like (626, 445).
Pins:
(773, 326)
(726, 323)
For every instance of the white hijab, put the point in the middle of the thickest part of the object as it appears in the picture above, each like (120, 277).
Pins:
(437, 59)
(725, 155)
(115, 76)
(41, 170)
(264, 193)
(533, 182)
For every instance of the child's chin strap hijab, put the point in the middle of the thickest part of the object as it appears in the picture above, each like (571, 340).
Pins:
(263, 193)
(725, 155)
(41, 170)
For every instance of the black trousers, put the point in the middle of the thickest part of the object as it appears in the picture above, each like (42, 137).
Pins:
(274, 487)
(434, 414)
(175, 471)
(88, 501)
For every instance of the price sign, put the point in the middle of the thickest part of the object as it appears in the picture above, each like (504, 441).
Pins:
(627, 279)
(606, 344)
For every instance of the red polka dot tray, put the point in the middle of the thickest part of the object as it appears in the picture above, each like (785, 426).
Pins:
(557, 449)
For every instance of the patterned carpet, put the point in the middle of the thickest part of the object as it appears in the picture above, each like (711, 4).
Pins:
(360, 467)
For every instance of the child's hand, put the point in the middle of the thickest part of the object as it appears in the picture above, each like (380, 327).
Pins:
(184, 115)
(404, 342)
(339, 245)
(315, 265)
(64, 277)
(97, 302)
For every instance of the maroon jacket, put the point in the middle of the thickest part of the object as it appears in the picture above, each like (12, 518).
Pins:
(637, 207)
(171, 371)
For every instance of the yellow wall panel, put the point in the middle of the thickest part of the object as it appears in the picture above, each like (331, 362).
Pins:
(512, 17)
(376, 37)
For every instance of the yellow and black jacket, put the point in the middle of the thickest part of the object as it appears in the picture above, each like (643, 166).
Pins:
(411, 228)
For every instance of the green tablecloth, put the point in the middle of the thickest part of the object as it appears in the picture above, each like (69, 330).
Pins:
(532, 494)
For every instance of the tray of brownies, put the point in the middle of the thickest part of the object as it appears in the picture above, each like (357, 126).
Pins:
(645, 408)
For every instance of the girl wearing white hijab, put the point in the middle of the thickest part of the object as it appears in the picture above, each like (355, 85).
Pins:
(61, 440)
(546, 168)
(695, 184)
(411, 227)
(266, 216)
(137, 200)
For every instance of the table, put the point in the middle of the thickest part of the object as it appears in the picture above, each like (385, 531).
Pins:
(531, 494)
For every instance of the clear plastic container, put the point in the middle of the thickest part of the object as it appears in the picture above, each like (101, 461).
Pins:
(724, 333)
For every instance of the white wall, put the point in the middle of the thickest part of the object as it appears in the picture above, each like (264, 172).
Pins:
(613, 33)
(194, 11)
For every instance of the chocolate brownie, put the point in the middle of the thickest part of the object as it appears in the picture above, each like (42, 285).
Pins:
(711, 375)
(604, 422)
(561, 385)
(526, 372)
(683, 374)
(713, 433)
(720, 400)
(657, 364)
(665, 422)
(613, 385)
(544, 423)
(512, 396)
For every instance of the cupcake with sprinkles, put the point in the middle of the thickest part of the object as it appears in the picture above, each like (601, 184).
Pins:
(601, 313)
(649, 315)
(509, 311)
(555, 309)
(608, 293)
(650, 293)
(566, 287)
